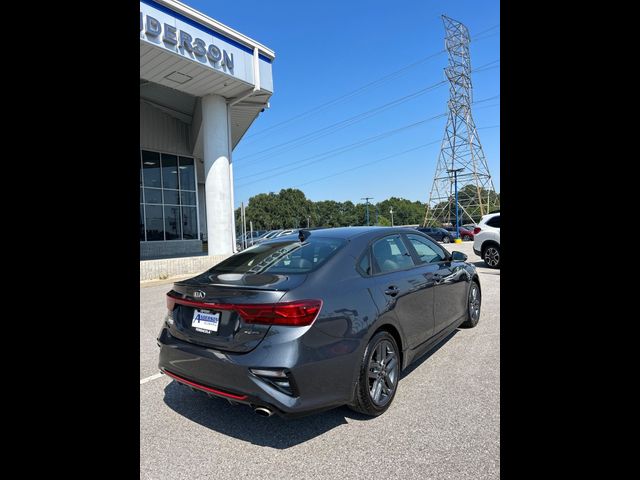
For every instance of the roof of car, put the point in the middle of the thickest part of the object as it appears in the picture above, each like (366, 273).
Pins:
(349, 232)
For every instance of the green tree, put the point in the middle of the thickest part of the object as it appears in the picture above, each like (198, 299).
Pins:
(290, 208)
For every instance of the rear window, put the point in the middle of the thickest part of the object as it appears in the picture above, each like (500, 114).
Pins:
(281, 257)
(494, 222)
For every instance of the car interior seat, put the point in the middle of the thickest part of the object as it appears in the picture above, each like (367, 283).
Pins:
(384, 256)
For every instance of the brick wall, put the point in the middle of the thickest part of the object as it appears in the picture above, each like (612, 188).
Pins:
(173, 247)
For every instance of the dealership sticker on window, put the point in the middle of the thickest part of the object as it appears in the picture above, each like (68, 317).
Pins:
(205, 322)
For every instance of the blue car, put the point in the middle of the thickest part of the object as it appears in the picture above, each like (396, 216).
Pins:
(439, 234)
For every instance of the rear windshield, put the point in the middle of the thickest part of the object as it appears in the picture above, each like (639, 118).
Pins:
(287, 256)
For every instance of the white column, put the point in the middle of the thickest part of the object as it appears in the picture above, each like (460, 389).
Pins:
(217, 184)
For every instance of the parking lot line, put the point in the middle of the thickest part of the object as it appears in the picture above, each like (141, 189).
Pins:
(152, 377)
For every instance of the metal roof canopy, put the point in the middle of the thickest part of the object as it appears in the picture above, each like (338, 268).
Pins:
(174, 83)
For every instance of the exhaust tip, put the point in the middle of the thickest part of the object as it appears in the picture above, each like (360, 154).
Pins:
(263, 411)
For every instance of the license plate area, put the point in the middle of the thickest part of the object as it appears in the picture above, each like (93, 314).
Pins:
(205, 321)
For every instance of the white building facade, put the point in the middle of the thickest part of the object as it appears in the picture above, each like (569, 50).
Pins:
(202, 85)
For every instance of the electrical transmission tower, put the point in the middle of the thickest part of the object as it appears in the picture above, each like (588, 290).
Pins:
(461, 149)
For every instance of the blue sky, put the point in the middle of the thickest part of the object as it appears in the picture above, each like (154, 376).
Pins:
(327, 49)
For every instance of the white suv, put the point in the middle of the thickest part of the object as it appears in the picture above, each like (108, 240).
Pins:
(486, 243)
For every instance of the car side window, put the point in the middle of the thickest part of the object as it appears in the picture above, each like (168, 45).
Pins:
(390, 254)
(426, 249)
(365, 263)
(494, 222)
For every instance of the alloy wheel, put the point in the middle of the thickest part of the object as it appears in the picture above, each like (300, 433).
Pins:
(383, 373)
(492, 256)
(474, 302)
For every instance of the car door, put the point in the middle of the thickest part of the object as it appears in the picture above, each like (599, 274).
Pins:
(450, 281)
(436, 234)
(403, 287)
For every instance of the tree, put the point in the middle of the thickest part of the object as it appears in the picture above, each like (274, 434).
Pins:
(290, 208)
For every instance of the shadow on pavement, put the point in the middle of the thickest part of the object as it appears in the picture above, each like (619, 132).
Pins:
(240, 422)
(485, 269)
(419, 361)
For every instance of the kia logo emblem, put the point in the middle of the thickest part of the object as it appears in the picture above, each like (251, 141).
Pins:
(198, 294)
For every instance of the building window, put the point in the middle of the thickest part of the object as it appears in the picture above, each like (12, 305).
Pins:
(168, 208)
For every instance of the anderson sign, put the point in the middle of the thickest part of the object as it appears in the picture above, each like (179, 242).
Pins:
(184, 41)
(172, 31)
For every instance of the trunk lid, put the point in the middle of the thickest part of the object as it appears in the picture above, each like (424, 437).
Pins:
(212, 296)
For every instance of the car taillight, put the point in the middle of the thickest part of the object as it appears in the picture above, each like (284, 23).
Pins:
(476, 230)
(295, 314)
(171, 303)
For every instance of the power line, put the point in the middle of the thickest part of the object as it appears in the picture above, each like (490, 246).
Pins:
(343, 123)
(485, 31)
(352, 93)
(332, 153)
(486, 99)
(328, 130)
(489, 106)
(395, 155)
(424, 145)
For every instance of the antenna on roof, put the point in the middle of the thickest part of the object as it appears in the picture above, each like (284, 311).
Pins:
(303, 235)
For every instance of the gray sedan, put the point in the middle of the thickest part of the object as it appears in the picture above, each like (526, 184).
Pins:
(317, 319)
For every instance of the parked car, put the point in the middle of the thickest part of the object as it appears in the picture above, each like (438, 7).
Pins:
(292, 326)
(439, 234)
(266, 236)
(248, 237)
(465, 233)
(487, 240)
(282, 233)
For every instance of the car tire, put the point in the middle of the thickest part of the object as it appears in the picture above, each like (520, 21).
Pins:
(491, 256)
(446, 240)
(370, 396)
(466, 238)
(474, 301)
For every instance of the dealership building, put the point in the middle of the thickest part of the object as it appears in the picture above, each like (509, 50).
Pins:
(202, 85)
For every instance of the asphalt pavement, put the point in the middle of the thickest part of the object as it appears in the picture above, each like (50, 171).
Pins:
(444, 422)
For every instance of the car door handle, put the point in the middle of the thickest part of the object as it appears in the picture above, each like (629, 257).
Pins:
(392, 290)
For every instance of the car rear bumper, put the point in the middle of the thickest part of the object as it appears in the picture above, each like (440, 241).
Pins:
(316, 385)
(476, 251)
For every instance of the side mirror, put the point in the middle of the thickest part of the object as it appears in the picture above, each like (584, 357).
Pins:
(458, 256)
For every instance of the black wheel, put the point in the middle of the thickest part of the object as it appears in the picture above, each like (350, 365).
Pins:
(473, 306)
(491, 256)
(466, 238)
(446, 240)
(379, 375)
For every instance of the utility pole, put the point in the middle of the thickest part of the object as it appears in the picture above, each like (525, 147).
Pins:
(455, 181)
(366, 199)
(308, 221)
(243, 227)
(391, 212)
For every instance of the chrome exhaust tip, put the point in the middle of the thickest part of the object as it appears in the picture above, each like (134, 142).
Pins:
(263, 411)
